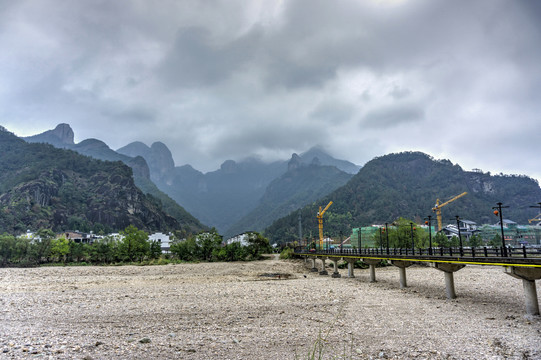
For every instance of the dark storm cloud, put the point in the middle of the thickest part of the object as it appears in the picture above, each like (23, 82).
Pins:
(223, 79)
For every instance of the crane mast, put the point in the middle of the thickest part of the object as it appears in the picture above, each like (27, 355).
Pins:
(320, 223)
(438, 206)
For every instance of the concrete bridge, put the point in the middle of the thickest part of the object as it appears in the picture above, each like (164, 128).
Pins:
(523, 264)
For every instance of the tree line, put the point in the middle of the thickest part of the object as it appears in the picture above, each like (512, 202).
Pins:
(133, 246)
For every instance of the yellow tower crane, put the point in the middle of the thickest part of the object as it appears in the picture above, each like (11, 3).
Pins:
(537, 218)
(320, 223)
(438, 206)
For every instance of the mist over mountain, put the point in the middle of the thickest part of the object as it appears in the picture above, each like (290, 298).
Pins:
(302, 184)
(407, 185)
(223, 197)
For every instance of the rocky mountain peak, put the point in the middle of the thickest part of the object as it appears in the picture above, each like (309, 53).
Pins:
(161, 157)
(294, 163)
(62, 135)
(65, 133)
(229, 167)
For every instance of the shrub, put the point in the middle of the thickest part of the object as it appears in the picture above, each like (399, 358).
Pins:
(287, 253)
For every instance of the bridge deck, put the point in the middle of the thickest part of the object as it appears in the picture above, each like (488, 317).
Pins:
(524, 257)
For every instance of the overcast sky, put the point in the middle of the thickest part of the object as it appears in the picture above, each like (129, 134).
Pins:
(218, 80)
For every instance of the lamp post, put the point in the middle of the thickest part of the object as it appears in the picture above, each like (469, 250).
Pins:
(412, 241)
(387, 235)
(360, 231)
(380, 240)
(429, 219)
(499, 212)
(459, 234)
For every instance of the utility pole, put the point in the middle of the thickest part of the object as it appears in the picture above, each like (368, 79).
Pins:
(387, 235)
(429, 218)
(459, 234)
(499, 212)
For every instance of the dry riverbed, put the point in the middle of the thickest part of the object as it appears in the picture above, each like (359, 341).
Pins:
(246, 311)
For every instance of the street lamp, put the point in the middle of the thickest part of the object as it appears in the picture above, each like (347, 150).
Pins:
(499, 212)
(429, 218)
(459, 234)
(412, 241)
(380, 241)
(387, 235)
(360, 231)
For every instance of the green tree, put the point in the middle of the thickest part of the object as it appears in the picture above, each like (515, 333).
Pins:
(186, 250)
(155, 250)
(257, 245)
(60, 248)
(496, 241)
(41, 245)
(455, 241)
(8, 249)
(78, 251)
(104, 251)
(134, 244)
(206, 243)
(441, 240)
(231, 252)
(476, 240)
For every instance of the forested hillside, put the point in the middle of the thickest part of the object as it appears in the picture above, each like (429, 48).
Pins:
(45, 187)
(62, 137)
(300, 185)
(407, 185)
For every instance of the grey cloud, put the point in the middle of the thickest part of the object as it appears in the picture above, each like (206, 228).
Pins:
(215, 81)
(333, 112)
(391, 116)
(398, 93)
(193, 61)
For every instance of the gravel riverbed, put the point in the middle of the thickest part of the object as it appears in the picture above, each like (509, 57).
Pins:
(246, 311)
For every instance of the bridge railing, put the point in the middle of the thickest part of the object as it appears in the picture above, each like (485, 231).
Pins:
(470, 252)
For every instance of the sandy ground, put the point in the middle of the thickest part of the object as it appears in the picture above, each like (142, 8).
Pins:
(230, 311)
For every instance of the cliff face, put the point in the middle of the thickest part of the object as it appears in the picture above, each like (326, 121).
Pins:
(60, 136)
(45, 187)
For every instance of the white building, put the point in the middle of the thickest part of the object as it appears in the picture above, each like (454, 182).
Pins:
(163, 239)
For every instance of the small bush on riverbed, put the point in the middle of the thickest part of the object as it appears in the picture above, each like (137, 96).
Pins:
(287, 253)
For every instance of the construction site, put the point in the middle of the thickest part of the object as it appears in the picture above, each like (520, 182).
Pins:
(464, 231)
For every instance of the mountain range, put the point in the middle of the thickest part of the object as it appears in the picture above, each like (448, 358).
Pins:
(407, 185)
(45, 187)
(269, 197)
(234, 198)
(63, 137)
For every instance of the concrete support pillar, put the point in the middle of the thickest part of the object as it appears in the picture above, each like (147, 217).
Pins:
(530, 297)
(335, 273)
(449, 269)
(323, 270)
(450, 285)
(402, 265)
(372, 264)
(351, 266)
(314, 268)
(528, 276)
